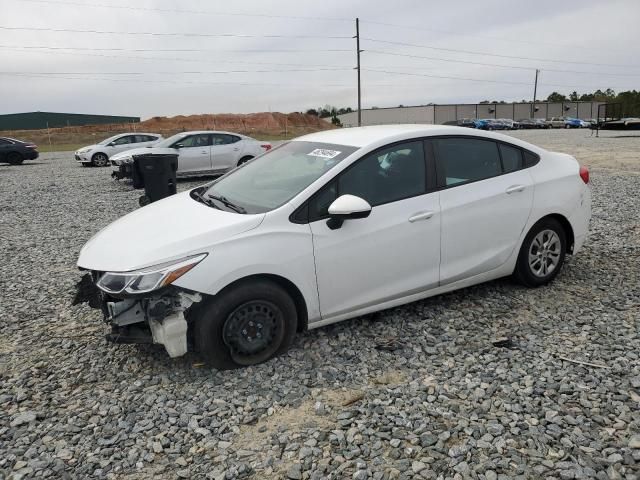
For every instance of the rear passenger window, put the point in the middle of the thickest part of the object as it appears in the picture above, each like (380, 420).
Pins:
(511, 158)
(462, 160)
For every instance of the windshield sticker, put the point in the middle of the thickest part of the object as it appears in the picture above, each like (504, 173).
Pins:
(321, 152)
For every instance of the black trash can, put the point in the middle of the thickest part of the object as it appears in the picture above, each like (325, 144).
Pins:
(157, 174)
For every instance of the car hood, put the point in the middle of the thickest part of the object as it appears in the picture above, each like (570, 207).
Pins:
(169, 229)
(143, 151)
(89, 147)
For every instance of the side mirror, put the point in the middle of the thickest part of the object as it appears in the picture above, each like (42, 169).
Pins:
(111, 144)
(347, 207)
(178, 145)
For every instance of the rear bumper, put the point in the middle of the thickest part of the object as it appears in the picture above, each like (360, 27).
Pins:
(580, 220)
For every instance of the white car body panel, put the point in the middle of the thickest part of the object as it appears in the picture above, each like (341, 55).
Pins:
(482, 223)
(382, 256)
(368, 264)
(149, 237)
(85, 154)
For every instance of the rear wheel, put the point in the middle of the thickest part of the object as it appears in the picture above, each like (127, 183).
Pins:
(542, 253)
(100, 160)
(246, 325)
(567, 126)
(14, 158)
(244, 160)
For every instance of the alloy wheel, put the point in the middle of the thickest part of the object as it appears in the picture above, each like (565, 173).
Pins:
(100, 160)
(544, 253)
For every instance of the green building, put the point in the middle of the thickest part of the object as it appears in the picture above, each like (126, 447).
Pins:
(38, 120)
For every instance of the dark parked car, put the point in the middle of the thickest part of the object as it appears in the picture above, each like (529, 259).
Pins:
(16, 151)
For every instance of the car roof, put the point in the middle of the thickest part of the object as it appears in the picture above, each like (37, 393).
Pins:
(379, 135)
(192, 132)
(137, 133)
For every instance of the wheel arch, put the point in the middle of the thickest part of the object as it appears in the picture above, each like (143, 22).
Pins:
(566, 226)
(245, 158)
(288, 286)
(93, 154)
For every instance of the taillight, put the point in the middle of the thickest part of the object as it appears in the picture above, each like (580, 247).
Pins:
(266, 146)
(584, 174)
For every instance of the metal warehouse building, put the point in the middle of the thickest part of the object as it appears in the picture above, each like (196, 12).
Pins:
(37, 120)
(439, 114)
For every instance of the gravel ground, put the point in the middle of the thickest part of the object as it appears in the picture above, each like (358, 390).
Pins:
(419, 391)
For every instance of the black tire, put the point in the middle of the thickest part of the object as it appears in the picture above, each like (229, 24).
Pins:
(244, 160)
(567, 126)
(226, 327)
(525, 273)
(99, 160)
(14, 158)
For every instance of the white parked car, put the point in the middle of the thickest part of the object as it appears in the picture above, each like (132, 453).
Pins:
(100, 153)
(331, 226)
(202, 152)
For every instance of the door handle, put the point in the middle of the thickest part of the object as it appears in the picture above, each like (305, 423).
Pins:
(514, 188)
(204, 152)
(236, 149)
(421, 216)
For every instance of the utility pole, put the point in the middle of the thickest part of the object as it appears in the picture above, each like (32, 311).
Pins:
(535, 91)
(357, 37)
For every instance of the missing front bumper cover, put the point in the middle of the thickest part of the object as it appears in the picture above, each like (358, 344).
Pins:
(158, 319)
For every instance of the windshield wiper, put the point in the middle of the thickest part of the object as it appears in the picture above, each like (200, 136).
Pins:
(206, 200)
(225, 201)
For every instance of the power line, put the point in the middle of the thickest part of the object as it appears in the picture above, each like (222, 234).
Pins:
(179, 59)
(404, 44)
(487, 37)
(182, 72)
(413, 74)
(173, 34)
(177, 50)
(185, 11)
(382, 52)
(171, 82)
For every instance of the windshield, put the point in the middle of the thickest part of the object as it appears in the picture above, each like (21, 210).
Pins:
(168, 142)
(276, 177)
(108, 140)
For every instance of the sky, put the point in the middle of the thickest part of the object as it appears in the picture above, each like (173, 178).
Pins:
(179, 57)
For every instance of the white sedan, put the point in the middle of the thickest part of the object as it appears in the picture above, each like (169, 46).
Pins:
(98, 155)
(331, 226)
(203, 152)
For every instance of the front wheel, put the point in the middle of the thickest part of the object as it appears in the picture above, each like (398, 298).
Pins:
(248, 324)
(542, 253)
(100, 160)
(14, 158)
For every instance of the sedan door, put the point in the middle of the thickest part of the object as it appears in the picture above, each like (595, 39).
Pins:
(225, 151)
(194, 153)
(126, 142)
(391, 254)
(486, 199)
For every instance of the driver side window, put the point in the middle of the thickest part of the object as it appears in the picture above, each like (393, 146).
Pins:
(385, 176)
(124, 140)
(199, 140)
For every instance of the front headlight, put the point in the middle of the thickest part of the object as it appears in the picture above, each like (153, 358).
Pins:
(123, 160)
(147, 279)
(84, 150)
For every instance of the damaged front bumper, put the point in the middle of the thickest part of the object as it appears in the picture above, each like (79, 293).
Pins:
(158, 318)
